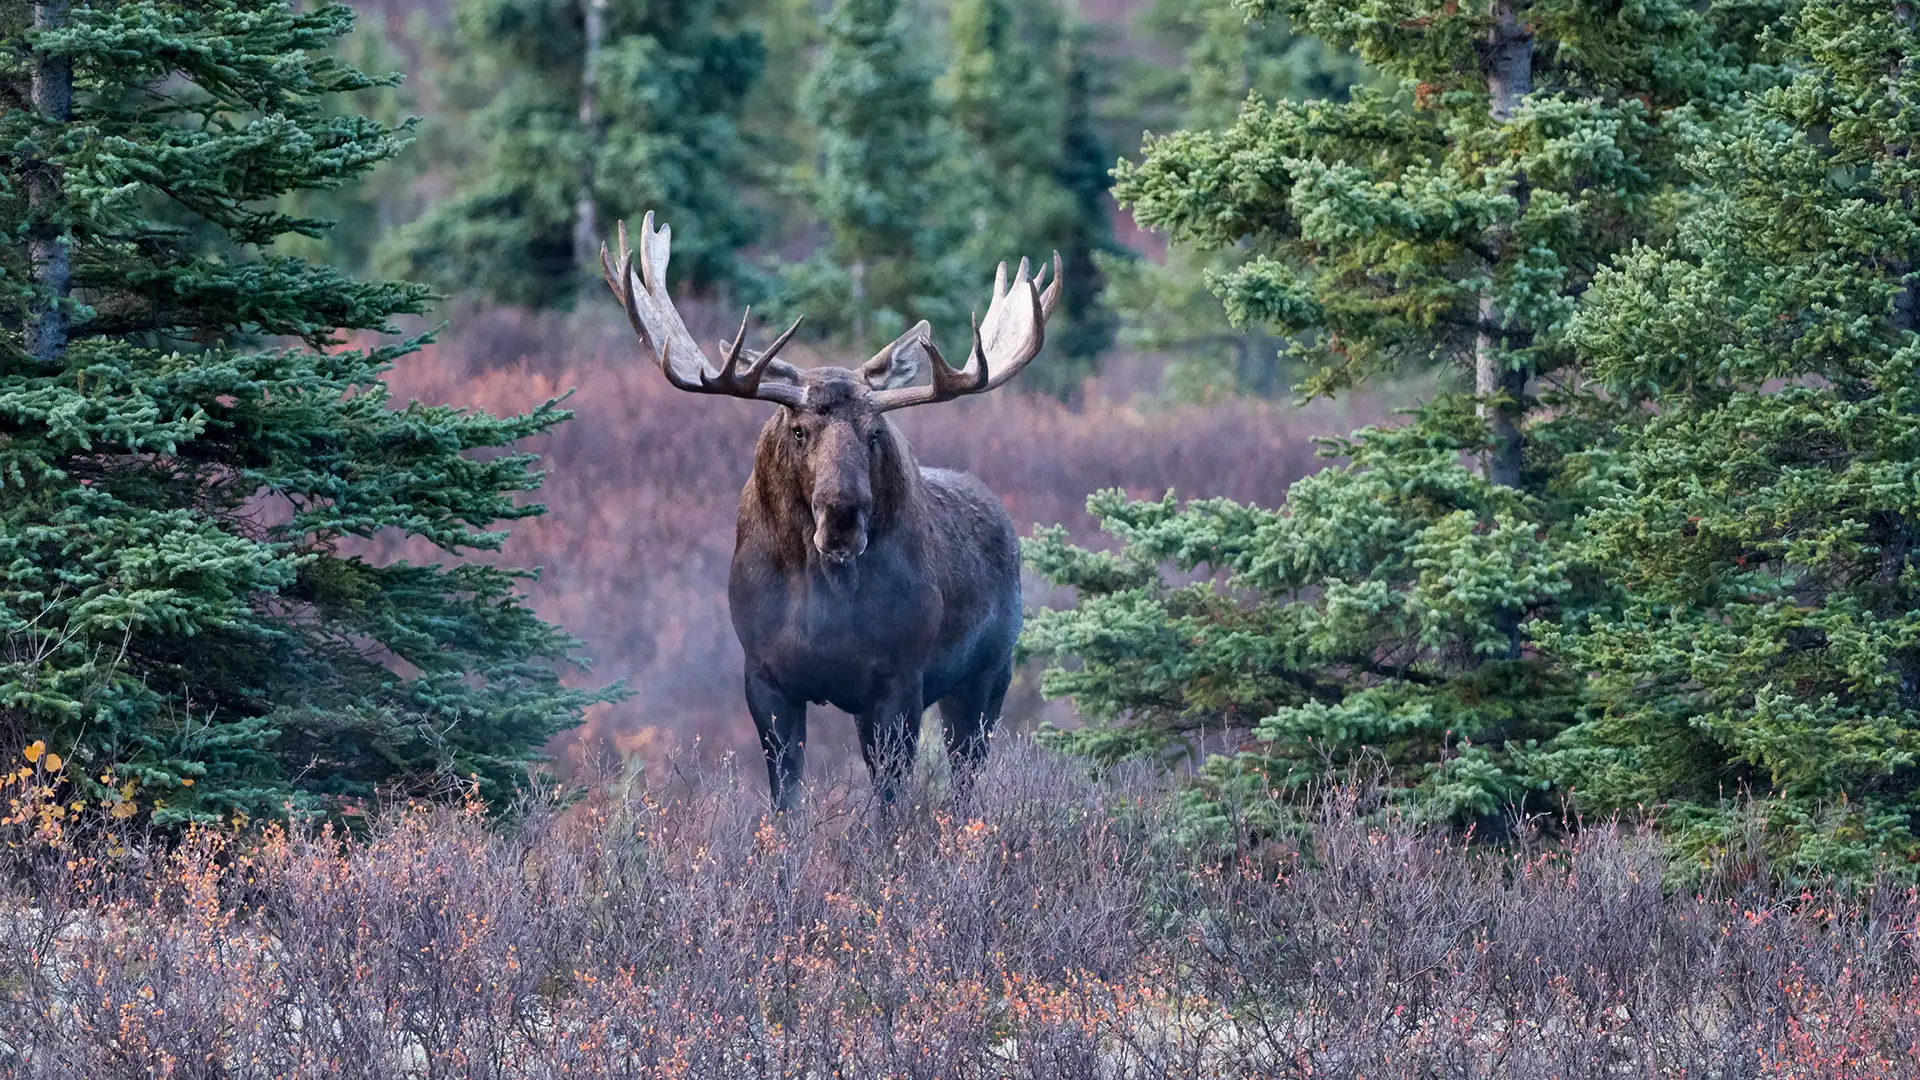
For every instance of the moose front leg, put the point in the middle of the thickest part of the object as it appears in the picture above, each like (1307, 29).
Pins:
(890, 735)
(782, 721)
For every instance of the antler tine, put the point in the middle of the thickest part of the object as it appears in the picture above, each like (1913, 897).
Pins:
(1006, 340)
(779, 343)
(661, 330)
(748, 381)
(952, 382)
(1050, 299)
(730, 350)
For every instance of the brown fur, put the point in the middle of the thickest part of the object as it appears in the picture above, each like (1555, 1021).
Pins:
(864, 581)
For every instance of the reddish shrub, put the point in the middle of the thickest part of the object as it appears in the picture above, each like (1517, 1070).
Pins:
(642, 486)
(1053, 930)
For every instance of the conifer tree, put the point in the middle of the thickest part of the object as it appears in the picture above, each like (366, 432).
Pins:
(1167, 307)
(1018, 90)
(189, 449)
(1457, 214)
(366, 211)
(1763, 525)
(886, 177)
(570, 114)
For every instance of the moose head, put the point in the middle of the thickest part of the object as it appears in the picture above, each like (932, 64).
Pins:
(832, 433)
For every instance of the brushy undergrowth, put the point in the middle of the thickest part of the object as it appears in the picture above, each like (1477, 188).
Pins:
(643, 486)
(1049, 928)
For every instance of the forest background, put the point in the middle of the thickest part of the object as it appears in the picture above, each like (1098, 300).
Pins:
(1644, 543)
(1146, 387)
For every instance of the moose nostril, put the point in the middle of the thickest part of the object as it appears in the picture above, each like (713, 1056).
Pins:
(840, 532)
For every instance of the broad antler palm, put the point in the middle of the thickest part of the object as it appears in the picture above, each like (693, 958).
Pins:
(660, 328)
(1003, 343)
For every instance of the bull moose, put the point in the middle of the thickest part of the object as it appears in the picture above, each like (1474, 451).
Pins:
(859, 579)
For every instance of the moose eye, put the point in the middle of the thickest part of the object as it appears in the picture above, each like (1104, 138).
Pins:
(873, 439)
(799, 434)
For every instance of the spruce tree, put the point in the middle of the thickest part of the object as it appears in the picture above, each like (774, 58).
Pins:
(191, 452)
(1166, 307)
(1762, 679)
(887, 178)
(569, 114)
(366, 211)
(1455, 215)
(1019, 91)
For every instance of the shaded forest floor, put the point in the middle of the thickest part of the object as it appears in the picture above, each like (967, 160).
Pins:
(1053, 927)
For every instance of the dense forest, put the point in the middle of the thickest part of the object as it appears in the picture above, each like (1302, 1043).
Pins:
(1639, 543)
(1469, 508)
(255, 245)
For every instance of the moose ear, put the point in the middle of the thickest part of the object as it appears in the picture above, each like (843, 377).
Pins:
(900, 363)
(777, 370)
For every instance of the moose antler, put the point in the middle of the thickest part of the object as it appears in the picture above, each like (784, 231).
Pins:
(1003, 343)
(660, 328)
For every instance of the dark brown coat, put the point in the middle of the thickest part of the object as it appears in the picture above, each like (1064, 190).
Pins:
(863, 581)
(859, 579)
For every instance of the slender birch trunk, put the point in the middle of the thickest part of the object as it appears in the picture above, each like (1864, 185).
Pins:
(1509, 67)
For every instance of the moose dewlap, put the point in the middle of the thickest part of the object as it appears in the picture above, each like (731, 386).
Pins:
(859, 579)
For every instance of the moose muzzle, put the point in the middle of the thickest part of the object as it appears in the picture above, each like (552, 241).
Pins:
(840, 526)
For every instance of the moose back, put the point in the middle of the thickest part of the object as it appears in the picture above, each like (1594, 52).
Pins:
(859, 579)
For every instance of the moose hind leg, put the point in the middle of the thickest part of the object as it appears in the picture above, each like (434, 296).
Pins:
(967, 716)
(782, 722)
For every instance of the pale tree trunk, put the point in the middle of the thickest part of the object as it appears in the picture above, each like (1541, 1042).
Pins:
(586, 226)
(1509, 65)
(49, 250)
(859, 274)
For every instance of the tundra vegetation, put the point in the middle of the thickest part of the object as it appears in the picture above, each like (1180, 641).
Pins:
(1562, 724)
(1054, 930)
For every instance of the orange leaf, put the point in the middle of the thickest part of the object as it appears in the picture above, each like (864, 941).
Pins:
(33, 752)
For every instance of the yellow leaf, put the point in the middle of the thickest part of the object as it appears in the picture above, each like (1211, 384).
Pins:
(186, 781)
(33, 752)
(53, 763)
(123, 810)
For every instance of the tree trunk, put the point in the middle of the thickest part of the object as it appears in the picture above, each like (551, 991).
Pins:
(1901, 534)
(586, 226)
(858, 272)
(1492, 375)
(1509, 67)
(49, 244)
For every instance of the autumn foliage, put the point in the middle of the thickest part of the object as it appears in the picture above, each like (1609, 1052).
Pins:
(643, 483)
(1050, 929)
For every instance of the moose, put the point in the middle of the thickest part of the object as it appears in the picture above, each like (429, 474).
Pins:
(859, 579)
